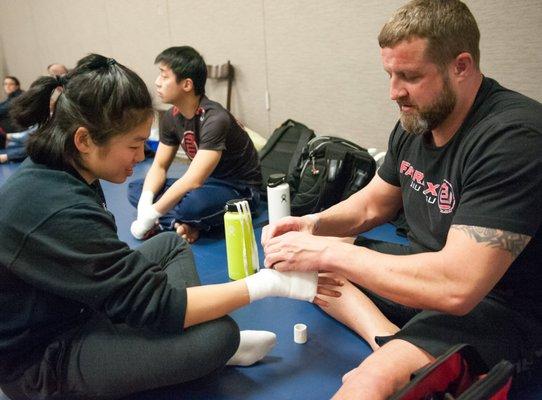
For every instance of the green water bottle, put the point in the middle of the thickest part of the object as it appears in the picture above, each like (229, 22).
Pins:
(239, 241)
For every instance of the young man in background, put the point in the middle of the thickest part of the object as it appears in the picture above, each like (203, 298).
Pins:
(224, 162)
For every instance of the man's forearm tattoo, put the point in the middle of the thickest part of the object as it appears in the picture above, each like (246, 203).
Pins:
(509, 241)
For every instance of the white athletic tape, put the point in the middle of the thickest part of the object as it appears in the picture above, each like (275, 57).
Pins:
(300, 333)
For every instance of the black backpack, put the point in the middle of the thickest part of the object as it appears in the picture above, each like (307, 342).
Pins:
(283, 149)
(329, 171)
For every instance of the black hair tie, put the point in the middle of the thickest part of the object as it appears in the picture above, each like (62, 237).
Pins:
(61, 80)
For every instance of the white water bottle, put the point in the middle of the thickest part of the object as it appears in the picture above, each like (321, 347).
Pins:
(278, 197)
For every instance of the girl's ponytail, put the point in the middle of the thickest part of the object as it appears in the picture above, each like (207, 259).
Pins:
(32, 107)
(100, 95)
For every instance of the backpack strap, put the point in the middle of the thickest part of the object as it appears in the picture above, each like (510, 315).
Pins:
(275, 137)
(306, 136)
(334, 172)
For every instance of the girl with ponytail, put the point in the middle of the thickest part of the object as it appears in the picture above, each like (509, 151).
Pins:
(83, 315)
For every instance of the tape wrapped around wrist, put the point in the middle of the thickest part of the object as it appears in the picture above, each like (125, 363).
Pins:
(145, 200)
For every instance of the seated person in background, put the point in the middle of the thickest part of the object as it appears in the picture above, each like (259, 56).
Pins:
(57, 69)
(464, 162)
(224, 162)
(15, 149)
(12, 88)
(83, 315)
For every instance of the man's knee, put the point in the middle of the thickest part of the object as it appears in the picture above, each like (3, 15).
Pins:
(389, 368)
(379, 374)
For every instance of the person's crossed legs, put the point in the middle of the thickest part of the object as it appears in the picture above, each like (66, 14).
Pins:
(201, 209)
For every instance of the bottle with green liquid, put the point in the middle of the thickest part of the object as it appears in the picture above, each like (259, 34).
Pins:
(241, 250)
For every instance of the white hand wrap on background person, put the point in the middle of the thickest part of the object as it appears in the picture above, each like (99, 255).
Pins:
(145, 200)
(147, 217)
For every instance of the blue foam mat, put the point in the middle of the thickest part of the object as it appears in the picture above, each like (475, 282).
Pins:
(290, 371)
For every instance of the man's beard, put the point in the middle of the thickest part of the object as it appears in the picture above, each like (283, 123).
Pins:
(431, 117)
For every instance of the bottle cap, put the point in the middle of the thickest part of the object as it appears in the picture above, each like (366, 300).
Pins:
(230, 205)
(275, 180)
(300, 333)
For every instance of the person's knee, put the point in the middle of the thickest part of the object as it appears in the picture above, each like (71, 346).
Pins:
(165, 247)
(389, 368)
(177, 241)
(169, 241)
(203, 203)
(375, 377)
(193, 208)
(223, 336)
(230, 335)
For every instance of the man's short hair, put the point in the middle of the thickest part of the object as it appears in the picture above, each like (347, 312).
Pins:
(448, 26)
(185, 62)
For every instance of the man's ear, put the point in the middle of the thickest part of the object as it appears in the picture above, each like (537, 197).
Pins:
(82, 140)
(464, 65)
(188, 85)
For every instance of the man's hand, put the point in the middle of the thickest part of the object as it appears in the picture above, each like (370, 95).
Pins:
(299, 251)
(288, 224)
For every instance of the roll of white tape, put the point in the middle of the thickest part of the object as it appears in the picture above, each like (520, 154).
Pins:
(300, 333)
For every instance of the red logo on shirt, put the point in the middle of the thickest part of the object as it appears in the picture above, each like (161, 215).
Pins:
(189, 144)
(440, 193)
(446, 198)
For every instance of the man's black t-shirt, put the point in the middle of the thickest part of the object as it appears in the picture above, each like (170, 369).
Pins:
(214, 128)
(489, 175)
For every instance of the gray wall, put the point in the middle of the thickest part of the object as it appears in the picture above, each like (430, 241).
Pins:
(318, 59)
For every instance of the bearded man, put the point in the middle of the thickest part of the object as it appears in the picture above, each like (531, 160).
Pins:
(463, 163)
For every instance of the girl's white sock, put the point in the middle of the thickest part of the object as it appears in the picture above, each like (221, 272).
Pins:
(253, 346)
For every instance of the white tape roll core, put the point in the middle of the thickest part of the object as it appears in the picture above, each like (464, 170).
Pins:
(300, 333)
